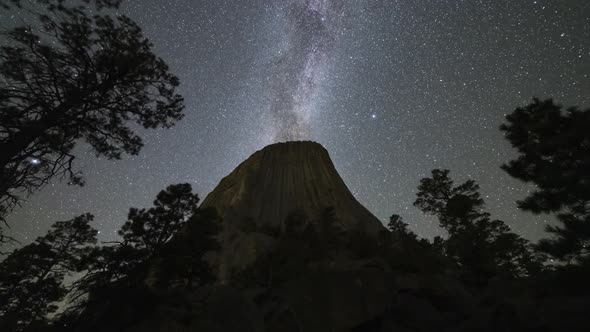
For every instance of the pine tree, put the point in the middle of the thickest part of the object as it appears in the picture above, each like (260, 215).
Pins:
(150, 229)
(184, 259)
(32, 277)
(475, 242)
(397, 225)
(554, 154)
(77, 73)
(170, 237)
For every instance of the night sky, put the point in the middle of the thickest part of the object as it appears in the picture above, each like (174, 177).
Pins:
(391, 88)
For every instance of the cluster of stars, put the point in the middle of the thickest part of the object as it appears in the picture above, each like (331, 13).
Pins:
(393, 89)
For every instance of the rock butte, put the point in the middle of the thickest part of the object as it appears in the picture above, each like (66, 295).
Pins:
(286, 177)
(274, 182)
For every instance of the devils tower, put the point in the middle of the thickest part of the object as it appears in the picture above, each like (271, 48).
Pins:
(271, 276)
(272, 184)
(288, 177)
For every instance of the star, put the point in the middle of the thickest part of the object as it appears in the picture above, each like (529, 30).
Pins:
(349, 75)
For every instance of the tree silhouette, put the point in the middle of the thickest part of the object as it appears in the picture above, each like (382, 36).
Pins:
(397, 225)
(31, 278)
(106, 266)
(150, 229)
(184, 259)
(77, 74)
(554, 154)
(169, 238)
(477, 243)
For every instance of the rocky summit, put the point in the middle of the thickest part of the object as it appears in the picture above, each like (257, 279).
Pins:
(284, 178)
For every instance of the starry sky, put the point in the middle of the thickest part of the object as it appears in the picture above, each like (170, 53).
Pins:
(392, 88)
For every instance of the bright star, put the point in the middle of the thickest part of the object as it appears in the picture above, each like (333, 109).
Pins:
(35, 161)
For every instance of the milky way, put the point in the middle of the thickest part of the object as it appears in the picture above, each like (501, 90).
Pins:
(311, 27)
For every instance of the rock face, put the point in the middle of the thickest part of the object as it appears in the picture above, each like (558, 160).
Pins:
(271, 185)
(284, 178)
